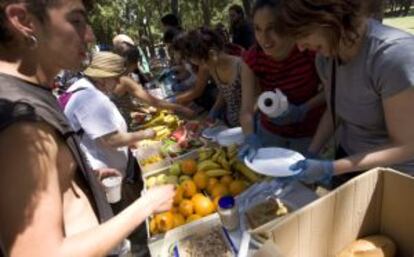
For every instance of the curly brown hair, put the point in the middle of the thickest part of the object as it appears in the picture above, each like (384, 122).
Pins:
(198, 43)
(337, 19)
(36, 7)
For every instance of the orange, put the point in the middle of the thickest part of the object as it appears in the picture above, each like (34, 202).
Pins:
(193, 217)
(189, 188)
(178, 219)
(188, 167)
(219, 190)
(196, 198)
(200, 179)
(186, 208)
(178, 197)
(215, 201)
(226, 180)
(211, 182)
(236, 187)
(203, 206)
(153, 227)
(165, 221)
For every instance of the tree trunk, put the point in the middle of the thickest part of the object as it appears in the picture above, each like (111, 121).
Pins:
(205, 7)
(174, 7)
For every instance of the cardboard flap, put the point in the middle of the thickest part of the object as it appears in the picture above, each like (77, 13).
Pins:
(397, 214)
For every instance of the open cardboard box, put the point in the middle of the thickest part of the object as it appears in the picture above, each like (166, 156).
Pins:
(380, 201)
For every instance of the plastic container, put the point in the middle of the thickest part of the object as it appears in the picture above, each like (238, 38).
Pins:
(229, 213)
(113, 186)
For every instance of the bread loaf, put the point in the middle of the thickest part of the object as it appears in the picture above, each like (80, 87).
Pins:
(372, 246)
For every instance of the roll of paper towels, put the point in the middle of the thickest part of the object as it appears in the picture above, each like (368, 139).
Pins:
(273, 103)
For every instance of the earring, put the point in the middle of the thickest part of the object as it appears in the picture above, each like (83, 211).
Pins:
(32, 41)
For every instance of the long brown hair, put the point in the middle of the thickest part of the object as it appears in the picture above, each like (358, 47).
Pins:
(337, 19)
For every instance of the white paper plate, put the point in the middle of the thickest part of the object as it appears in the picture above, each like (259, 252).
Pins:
(230, 137)
(274, 162)
(211, 133)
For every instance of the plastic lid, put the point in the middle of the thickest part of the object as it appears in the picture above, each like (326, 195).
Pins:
(226, 202)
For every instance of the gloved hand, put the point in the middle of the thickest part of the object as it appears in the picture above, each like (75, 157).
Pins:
(311, 155)
(251, 144)
(294, 114)
(313, 171)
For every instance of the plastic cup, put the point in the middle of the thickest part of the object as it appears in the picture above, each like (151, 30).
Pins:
(113, 186)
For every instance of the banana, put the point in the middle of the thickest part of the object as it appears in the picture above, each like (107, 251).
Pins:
(232, 151)
(233, 160)
(170, 119)
(158, 128)
(207, 165)
(157, 120)
(204, 154)
(217, 173)
(248, 173)
(223, 162)
(216, 156)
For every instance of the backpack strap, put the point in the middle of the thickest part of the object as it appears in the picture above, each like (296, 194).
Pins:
(64, 98)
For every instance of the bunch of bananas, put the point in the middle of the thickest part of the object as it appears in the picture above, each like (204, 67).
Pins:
(151, 160)
(222, 161)
(161, 132)
(164, 118)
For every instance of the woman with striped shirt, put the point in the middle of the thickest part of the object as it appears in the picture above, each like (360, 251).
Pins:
(275, 63)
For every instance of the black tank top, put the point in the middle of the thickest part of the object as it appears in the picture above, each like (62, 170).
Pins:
(23, 101)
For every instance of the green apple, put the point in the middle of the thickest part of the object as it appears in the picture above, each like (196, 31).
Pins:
(175, 169)
(183, 178)
(152, 181)
(161, 179)
(171, 179)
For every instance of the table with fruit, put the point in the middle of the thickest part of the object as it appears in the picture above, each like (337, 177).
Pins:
(200, 183)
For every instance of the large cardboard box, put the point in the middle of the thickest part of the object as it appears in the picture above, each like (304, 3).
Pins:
(380, 201)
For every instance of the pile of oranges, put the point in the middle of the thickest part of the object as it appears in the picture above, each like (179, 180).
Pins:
(195, 197)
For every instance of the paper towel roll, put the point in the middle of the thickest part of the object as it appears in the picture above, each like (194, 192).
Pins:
(272, 104)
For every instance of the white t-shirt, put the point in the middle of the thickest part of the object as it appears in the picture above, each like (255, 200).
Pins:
(92, 111)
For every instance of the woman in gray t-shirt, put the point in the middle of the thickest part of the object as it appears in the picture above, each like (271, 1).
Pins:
(368, 72)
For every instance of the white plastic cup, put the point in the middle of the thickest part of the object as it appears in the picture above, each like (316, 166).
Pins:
(113, 186)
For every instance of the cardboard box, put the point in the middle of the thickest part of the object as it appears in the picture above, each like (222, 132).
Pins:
(380, 201)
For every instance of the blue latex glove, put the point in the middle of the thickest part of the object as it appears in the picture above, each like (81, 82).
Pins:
(294, 114)
(313, 171)
(251, 144)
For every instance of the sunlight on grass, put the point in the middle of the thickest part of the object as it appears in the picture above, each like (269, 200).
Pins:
(404, 23)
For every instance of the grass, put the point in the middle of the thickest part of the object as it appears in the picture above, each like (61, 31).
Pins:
(404, 23)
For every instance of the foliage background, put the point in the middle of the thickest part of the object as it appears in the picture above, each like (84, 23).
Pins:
(127, 16)
(111, 17)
